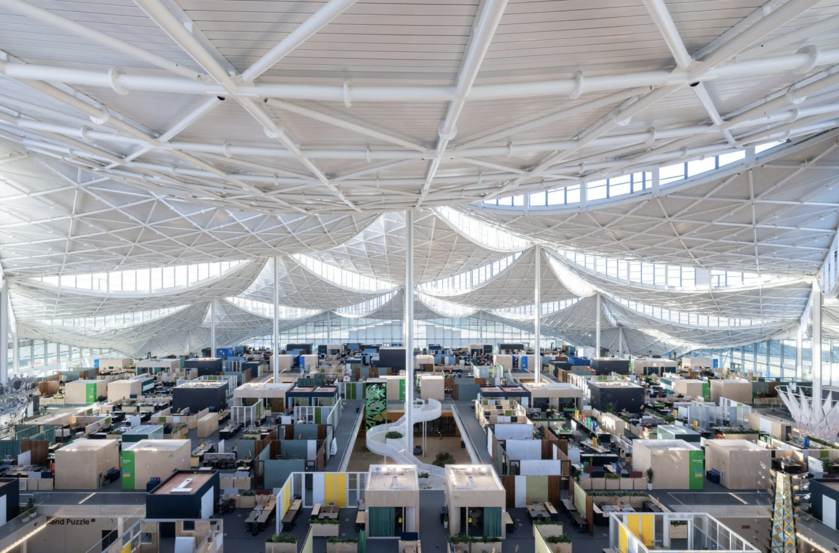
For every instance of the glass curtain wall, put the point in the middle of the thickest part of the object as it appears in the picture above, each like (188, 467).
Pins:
(40, 353)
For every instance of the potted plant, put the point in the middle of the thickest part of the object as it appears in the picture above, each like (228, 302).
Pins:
(284, 543)
(650, 475)
(29, 511)
(827, 465)
(446, 521)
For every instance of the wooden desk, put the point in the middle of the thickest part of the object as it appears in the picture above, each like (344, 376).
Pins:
(508, 522)
(361, 520)
(581, 523)
(315, 511)
(569, 505)
(537, 511)
(552, 511)
(296, 504)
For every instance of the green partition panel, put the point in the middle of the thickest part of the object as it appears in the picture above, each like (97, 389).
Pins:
(375, 405)
(90, 392)
(128, 473)
(696, 466)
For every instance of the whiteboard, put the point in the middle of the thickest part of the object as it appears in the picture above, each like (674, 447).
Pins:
(3, 503)
(207, 503)
(829, 511)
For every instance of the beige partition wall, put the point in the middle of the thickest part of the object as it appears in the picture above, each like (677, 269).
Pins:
(123, 389)
(154, 458)
(669, 459)
(687, 387)
(743, 465)
(432, 387)
(735, 390)
(504, 360)
(82, 464)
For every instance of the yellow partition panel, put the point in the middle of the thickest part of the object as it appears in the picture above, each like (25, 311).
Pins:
(642, 527)
(329, 488)
(286, 497)
(341, 489)
(622, 539)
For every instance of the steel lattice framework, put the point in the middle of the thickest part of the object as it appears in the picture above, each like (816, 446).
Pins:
(156, 133)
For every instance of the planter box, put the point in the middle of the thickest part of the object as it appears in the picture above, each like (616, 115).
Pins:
(560, 547)
(485, 547)
(627, 483)
(397, 443)
(639, 483)
(585, 483)
(678, 532)
(271, 547)
(245, 501)
(549, 530)
(612, 483)
(325, 530)
(341, 547)
(598, 483)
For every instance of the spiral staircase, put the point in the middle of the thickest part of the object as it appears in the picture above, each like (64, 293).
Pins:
(397, 449)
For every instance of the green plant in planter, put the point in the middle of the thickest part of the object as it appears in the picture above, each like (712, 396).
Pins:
(678, 523)
(611, 476)
(334, 539)
(30, 507)
(393, 435)
(444, 458)
(246, 493)
(650, 475)
(827, 465)
(558, 539)
(423, 475)
(325, 521)
(282, 538)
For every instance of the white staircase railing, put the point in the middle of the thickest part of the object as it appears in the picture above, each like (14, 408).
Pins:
(397, 449)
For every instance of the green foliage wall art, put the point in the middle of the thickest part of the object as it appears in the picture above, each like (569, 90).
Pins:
(375, 405)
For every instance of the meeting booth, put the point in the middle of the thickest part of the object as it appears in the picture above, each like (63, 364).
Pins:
(609, 365)
(206, 366)
(551, 395)
(185, 494)
(392, 500)
(312, 396)
(476, 501)
(648, 365)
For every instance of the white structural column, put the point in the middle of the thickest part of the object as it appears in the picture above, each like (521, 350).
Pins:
(597, 329)
(275, 336)
(481, 326)
(16, 350)
(816, 346)
(213, 328)
(537, 319)
(620, 342)
(408, 327)
(799, 354)
(4, 331)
